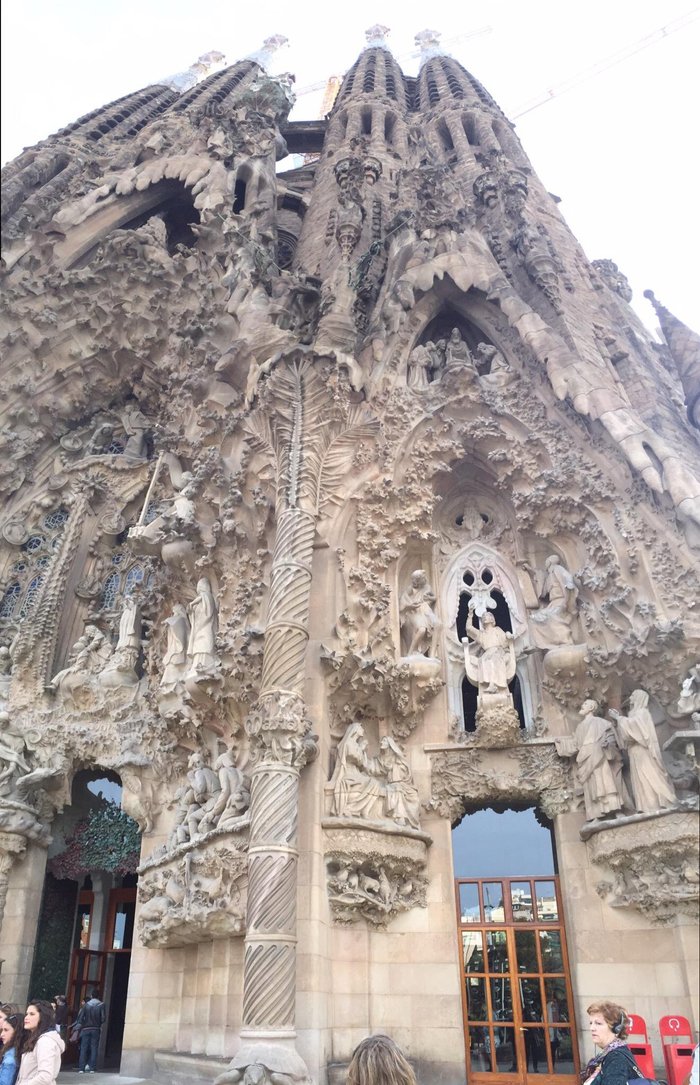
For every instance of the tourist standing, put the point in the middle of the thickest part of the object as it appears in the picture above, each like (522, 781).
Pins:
(89, 1022)
(615, 1064)
(10, 1039)
(377, 1060)
(41, 1046)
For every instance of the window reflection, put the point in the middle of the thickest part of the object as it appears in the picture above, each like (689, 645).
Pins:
(473, 951)
(469, 902)
(480, 1050)
(550, 946)
(494, 911)
(547, 908)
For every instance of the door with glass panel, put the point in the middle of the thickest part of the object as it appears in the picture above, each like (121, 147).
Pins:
(516, 990)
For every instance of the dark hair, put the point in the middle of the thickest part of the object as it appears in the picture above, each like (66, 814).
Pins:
(95, 993)
(47, 1022)
(60, 999)
(10, 1007)
(377, 1060)
(615, 1017)
(14, 1020)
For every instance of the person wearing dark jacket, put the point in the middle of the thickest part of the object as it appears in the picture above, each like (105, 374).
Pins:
(89, 1022)
(614, 1064)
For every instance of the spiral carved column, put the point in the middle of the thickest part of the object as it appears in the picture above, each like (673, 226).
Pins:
(281, 744)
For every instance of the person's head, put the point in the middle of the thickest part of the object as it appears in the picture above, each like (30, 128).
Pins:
(607, 1021)
(10, 1032)
(488, 619)
(7, 1008)
(377, 1060)
(60, 1000)
(588, 708)
(38, 1019)
(95, 993)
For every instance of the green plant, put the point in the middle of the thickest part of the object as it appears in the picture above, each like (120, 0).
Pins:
(107, 839)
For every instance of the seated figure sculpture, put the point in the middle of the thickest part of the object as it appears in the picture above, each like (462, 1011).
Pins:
(373, 788)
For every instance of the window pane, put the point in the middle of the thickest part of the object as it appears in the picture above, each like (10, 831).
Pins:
(497, 951)
(531, 999)
(473, 951)
(469, 902)
(476, 998)
(526, 951)
(123, 925)
(493, 902)
(521, 899)
(547, 909)
(504, 1042)
(550, 944)
(501, 1000)
(562, 1054)
(535, 1051)
(480, 1050)
(557, 1002)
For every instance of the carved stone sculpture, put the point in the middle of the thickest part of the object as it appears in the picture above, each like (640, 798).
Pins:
(401, 803)
(233, 798)
(650, 783)
(357, 790)
(457, 353)
(499, 373)
(418, 619)
(419, 366)
(689, 700)
(552, 624)
(494, 667)
(598, 764)
(121, 669)
(88, 657)
(202, 656)
(175, 658)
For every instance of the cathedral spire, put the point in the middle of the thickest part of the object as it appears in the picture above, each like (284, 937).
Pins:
(203, 66)
(269, 48)
(428, 42)
(684, 347)
(376, 36)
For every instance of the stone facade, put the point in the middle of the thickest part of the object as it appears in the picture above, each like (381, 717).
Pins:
(277, 448)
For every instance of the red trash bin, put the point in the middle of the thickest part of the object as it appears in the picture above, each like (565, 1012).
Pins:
(638, 1043)
(677, 1043)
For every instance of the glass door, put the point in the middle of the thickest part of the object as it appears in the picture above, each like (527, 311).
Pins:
(517, 1002)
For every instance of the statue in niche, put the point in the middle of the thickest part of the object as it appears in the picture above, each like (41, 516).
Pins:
(202, 657)
(13, 763)
(88, 657)
(175, 658)
(552, 624)
(399, 301)
(473, 522)
(494, 667)
(689, 700)
(373, 788)
(457, 353)
(499, 373)
(598, 764)
(651, 787)
(419, 367)
(121, 669)
(136, 427)
(233, 798)
(100, 440)
(436, 353)
(357, 789)
(402, 804)
(196, 799)
(417, 617)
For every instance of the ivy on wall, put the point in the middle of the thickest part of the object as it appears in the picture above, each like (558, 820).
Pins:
(107, 839)
(54, 936)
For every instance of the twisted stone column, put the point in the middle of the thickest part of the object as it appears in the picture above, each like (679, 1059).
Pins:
(281, 744)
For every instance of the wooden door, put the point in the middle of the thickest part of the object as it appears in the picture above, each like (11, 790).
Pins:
(516, 991)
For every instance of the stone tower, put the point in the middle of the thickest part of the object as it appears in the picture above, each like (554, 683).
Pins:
(341, 503)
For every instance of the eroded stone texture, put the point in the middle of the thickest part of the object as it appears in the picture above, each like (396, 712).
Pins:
(276, 445)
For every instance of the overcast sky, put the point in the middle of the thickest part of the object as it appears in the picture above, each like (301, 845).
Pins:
(620, 148)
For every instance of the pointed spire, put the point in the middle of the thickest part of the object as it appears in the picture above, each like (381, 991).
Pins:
(684, 347)
(428, 43)
(270, 47)
(376, 37)
(202, 67)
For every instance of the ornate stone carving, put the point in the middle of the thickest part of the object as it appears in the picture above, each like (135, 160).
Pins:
(373, 875)
(419, 623)
(653, 862)
(463, 777)
(490, 671)
(649, 781)
(598, 764)
(194, 893)
(553, 623)
(373, 788)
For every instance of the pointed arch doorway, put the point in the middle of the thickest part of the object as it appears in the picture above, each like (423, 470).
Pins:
(517, 1000)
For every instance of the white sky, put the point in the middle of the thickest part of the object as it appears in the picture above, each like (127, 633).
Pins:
(620, 149)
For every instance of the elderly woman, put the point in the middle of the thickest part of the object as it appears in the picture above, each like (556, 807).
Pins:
(614, 1064)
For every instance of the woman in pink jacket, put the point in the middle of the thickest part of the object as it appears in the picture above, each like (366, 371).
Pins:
(42, 1047)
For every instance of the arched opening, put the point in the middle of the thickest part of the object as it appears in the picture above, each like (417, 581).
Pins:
(389, 129)
(469, 125)
(239, 194)
(516, 996)
(445, 136)
(86, 926)
(366, 122)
